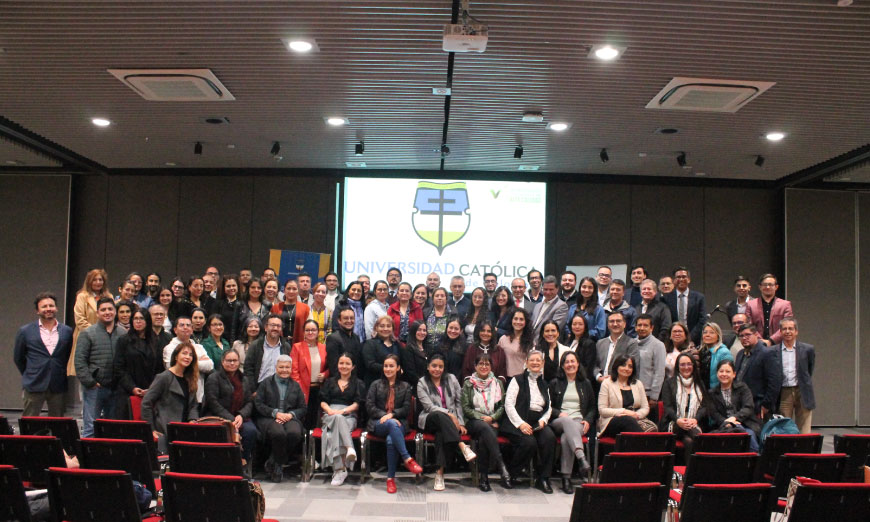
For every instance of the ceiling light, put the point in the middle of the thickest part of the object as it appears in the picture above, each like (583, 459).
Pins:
(774, 136)
(337, 121)
(528, 167)
(359, 148)
(558, 126)
(533, 117)
(518, 152)
(170, 163)
(301, 45)
(603, 155)
(101, 122)
(700, 173)
(759, 160)
(197, 149)
(355, 164)
(606, 52)
(681, 159)
(276, 148)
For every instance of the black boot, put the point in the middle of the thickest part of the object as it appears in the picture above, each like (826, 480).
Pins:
(584, 470)
(506, 480)
(544, 485)
(567, 486)
(484, 484)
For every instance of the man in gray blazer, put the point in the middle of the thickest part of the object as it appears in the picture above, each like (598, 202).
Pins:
(613, 346)
(551, 307)
(796, 398)
(521, 300)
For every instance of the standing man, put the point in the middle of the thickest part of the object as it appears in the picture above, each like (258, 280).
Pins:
(245, 276)
(617, 304)
(730, 339)
(459, 302)
(366, 283)
(41, 353)
(394, 277)
(651, 305)
(152, 286)
(262, 357)
(605, 275)
(767, 311)
(521, 300)
(303, 280)
(535, 278)
(568, 292)
(215, 275)
(798, 360)
(738, 305)
(666, 285)
(632, 293)
(651, 364)
(550, 308)
(95, 354)
(490, 282)
(158, 317)
(616, 344)
(687, 306)
(758, 367)
(332, 291)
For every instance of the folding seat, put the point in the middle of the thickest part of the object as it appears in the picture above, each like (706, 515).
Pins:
(780, 444)
(635, 442)
(207, 498)
(197, 432)
(623, 502)
(32, 455)
(715, 468)
(310, 450)
(367, 438)
(824, 467)
(844, 502)
(857, 447)
(93, 495)
(64, 428)
(127, 455)
(721, 443)
(134, 430)
(13, 501)
(629, 467)
(727, 503)
(205, 458)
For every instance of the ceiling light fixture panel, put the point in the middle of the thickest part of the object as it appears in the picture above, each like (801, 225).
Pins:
(336, 121)
(301, 45)
(606, 52)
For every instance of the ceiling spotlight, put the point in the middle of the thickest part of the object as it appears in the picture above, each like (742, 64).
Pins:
(558, 126)
(759, 160)
(337, 121)
(445, 150)
(606, 52)
(775, 136)
(359, 148)
(518, 152)
(533, 117)
(276, 148)
(197, 149)
(101, 122)
(603, 155)
(301, 45)
(681, 160)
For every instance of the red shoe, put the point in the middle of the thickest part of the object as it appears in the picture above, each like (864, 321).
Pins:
(413, 467)
(391, 485)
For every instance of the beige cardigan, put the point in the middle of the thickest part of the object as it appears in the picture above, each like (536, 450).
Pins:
(610, 402)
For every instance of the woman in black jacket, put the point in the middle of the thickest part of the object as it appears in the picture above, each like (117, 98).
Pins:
(225, 397)
(731, 405)
(281, 407)
(229, 307)
(137, 361)
(685, 398)
(414, 357)
(578, 341)
(388, 404)
(573, 403)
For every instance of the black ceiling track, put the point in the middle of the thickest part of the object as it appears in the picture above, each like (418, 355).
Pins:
(42, 145)
(454, 17)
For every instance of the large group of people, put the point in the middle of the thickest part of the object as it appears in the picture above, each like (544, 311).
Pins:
(541, 361)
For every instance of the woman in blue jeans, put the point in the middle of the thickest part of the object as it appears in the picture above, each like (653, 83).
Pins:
(388, 403)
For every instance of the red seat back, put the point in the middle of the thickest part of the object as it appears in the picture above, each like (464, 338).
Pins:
(857, 447)
(127, 429)
(128, 455)
(64, 428)
(646, 441)
(824, 467)
(720, 443)
(780, 444)
(624, 502)
(844, 502)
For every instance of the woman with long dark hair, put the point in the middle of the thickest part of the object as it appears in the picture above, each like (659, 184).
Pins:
(124, 312)
(685, 402)
(172, 395)
(622, 400)
(414, 357)
(587, 306)
(340, 399)
(310, 369)
(500, 311)
(253, 303)
(548, 343)
(453, 347)
(678, 341)
(579, 342)
(517, 344)
(484, 344)
(215, 344)
(477, 313)
(229, 307)
(573, 403)
(137, 361)
(197, 297)
(253, 329)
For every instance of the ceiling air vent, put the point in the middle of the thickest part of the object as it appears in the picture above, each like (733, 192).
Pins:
(178, 85)
(703, 94)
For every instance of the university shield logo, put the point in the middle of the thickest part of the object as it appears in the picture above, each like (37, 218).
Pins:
(441, 215)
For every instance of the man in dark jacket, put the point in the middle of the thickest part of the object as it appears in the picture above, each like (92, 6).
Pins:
(263, 353)
(95, 354)
(758, 367)
(343, 340)
(281, 406)
(41, 353)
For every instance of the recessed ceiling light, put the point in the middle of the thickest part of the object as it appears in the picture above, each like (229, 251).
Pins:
(558, 126)
(355, 164)
(301, 45)
(700, 173)
(101, 122)
(13, 162)
(774, 136)
(606, 52)
(170, 163)
(528, 167)
(337, 121)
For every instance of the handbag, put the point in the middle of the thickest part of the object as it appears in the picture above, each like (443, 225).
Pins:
(231, 431)
(647, 425)
(258, 500)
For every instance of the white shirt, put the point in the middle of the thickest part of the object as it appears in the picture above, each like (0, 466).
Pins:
(610, 350)
(536, 403)
(789, 366)
(603, 296)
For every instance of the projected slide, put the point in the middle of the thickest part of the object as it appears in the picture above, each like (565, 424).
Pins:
(452, 228)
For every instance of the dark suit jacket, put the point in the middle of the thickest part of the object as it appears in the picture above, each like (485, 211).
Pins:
(696, 313)
(41, 371)
(741, 399)
(254, 362)
(763, 375)
(661, 315)
(460, 308)
(219, 398)
(624, 346)
(731, 308)
(528, 305)
(269, 398)
(781, 308)
(806, 363)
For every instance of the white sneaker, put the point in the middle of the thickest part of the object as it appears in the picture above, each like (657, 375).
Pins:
(350, 458)
(468, 454)
(439, 482)
(338, 477)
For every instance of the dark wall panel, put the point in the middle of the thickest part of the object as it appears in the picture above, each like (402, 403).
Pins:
(34, 226)
(142, 227)
(864, 319)
(292, 214)
(820, 271)
(215, 223)
(87, 231)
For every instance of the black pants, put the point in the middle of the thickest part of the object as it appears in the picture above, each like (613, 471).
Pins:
(312, 415)
(487, 444)
(542, 442)
(446, 437)
(285, 438)
(619, 424)
(687, 438)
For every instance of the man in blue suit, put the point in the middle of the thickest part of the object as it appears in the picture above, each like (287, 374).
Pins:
(758, 367)
(798, 360)
(41, 352)
(687, 306)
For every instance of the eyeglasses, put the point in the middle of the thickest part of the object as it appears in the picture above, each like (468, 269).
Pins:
(483, 363)
(768, 285)
(605, 275)
(746, 335)
(231, 361)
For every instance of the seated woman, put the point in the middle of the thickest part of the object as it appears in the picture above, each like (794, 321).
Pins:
(548, 343)
(731, 405)
(310, 369)
(376, 349)
(225, 397)
(413, 355)
(528, 408)
(215, 343)
(711, 353)
(685, 399)
(340, 399)
(453, 347)
(172, 395)
(573, 404)
(484, 343)
(281, 408)
(441, 413)
(621, 400)
(482, 402)
(388, 403)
